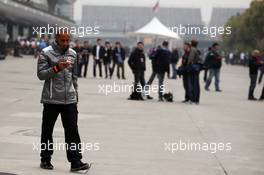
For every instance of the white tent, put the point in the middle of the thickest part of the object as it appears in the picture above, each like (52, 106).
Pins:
(156, 28)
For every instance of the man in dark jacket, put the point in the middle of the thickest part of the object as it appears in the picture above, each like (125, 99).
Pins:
(194, 62)
(137, 63)
(254, 64)
(119, 56)
(84, 60)
(163, 57)
(214, 63)
(98, 56)
(57, 66)
(107, 58)
(187, 48)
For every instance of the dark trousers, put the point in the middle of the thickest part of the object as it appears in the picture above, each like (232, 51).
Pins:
(107, 69)
(174, 70)
(99, 63)
(122, 67)
(161, 84)
(139, 78)
(253, 82)
(85, 64)
(262, 94)
(194, 87)
(205, 75)
(119, 66)
(151, 78)
(69, 117)
(185, 86)
(213, 73)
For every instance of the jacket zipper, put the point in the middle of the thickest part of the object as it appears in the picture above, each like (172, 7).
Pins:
(65, 87)
(51, 88)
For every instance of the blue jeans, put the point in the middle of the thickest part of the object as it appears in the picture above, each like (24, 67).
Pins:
(194, 87)
(174, 70)
(161, 84)
(213, 73)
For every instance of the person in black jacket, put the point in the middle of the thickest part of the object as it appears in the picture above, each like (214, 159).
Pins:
(163, 57)
(254, 64)
(119, 56)
(107, 58)
(137, 63)
(98, 56)
(84, 60)
(187, 48)
(214, 63)
(193, 64)
(78, 49)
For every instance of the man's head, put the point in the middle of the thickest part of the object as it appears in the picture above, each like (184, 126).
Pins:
(186, 47)
(165, 44)
(255, 53)
(215, 46)
(107, 44)
(77, 43)
(194, 43)
(140, 45)
(86, 44)
(98, 41)
(118, 45)
(62, 39)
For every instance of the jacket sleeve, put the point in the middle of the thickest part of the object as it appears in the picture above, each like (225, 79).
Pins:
(123, 54)
(75, 78)
(131, 60)
(44, 69)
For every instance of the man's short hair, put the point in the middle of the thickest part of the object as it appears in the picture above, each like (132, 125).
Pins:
(165, 43)
(194, 43)
(140, 42)
(215, 44)
(187, 44)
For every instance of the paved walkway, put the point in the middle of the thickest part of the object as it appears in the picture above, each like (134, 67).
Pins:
(134, 137)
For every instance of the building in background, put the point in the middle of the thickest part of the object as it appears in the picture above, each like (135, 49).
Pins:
(18, 17)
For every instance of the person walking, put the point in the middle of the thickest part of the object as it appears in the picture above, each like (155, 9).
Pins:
(163, 57)
(57, 66)
(254, 64)
(214, 63)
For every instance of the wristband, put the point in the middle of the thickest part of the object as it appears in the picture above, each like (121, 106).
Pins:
(56, 69)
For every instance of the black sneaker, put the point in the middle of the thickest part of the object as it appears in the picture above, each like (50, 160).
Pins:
(185, 101)
(207, 89)
(149, 97)
(46, 165)
(252, 98)
(79, 166)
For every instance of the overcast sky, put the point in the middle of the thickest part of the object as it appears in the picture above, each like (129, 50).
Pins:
(205, 5)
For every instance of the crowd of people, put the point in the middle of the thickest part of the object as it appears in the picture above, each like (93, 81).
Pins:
(186, 63)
